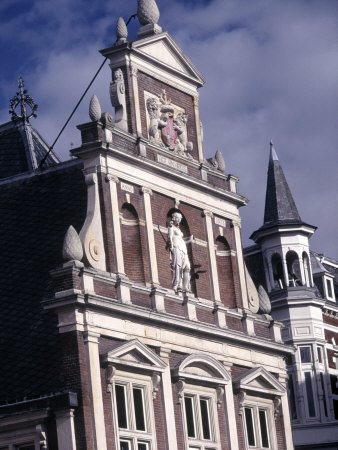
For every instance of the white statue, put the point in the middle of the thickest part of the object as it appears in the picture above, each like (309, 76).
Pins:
(118, 100)
(156, 122)
(179, 261)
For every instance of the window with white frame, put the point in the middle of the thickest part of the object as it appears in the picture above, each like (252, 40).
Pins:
(329, 290)
(200, 418)
(259, 424)
(134, 412)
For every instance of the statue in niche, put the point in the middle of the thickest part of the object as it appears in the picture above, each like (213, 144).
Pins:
(179, 260)
(168, 127)
(118, 100)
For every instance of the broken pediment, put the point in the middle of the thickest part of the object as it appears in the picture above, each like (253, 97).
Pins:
(134, 354)
(259, 380)
(161, 49)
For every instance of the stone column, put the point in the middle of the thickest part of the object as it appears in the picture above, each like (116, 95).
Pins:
(150, 236)
(91, 340)
(168, 401)
(65, 429)
(240, 264)
(134, 84)
(212, 257)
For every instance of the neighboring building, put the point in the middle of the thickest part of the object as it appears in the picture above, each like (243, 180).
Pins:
(303, 289)
(105, 346)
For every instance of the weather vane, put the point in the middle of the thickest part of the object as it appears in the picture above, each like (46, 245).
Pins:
(23, 99)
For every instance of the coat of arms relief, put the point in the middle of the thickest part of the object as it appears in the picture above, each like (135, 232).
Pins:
(167, 125)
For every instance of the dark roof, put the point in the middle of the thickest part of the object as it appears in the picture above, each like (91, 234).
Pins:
(280, 207)
(22, 149)
(36, 210)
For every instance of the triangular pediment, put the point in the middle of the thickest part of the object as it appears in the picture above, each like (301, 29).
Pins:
(259, 380)
(134, 354)
(162, 50)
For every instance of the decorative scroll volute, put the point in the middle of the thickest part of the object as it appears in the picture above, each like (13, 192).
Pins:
(118, 99)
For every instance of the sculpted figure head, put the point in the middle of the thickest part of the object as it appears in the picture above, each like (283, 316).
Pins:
(118, 75)
(176, 218)
(152, 107)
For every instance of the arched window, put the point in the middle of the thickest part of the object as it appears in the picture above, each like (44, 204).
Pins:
(307, 272)
(277, 271)
(293, 266)
(225, 272)
(131, 244)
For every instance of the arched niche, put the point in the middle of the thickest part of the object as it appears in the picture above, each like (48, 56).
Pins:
(293, 268)
(277, 272)
(131, 244)
(184, 227)
(225, 272)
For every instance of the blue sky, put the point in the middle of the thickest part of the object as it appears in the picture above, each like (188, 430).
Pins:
(271, 68)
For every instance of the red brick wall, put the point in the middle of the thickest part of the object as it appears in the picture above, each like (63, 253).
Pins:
(262, 330)
(225, 274)
(140, 299)
(173, 307)
(239, 423)
(280, 432)
(178, 420)
(104, 289)
(76, 380)
(222, 428)
(330, 320)
(205, 315)
(131, 245)
(161, 435)
(330, 354)
(185, 101)
(234, 324)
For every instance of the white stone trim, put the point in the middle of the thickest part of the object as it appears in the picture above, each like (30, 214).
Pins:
(240, 262)
(212, 257)
(65, 429)
(95, 388)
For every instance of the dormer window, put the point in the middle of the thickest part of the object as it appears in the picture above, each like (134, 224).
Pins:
(328, 289)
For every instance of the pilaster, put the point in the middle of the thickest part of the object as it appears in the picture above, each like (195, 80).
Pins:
(91, 340)
(212, 257)
(150, 236)
(240, 264)
(113, 180)
(189, 303)
(65, 429)
(198, 129)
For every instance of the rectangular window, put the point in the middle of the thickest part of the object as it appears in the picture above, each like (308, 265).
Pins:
(305, 354)
(320, 354)
(264, 428)
(329, 288)
(324, 396)
(309, 394)
(124, 445)
(292, 398)
(139, 409)
(120, 394)
(200, 419)
(250, 427)
(189, 414)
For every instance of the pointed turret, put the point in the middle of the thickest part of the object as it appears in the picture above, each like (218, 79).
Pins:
(280, 207)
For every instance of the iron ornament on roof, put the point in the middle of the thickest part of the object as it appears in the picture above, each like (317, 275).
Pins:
(23, 99)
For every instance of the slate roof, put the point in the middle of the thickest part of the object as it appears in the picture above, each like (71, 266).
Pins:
(36, 210)
(21, 149)
(280, 207)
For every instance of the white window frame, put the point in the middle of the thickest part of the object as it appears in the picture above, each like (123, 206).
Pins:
(205, 393)
(131, 434)
(256, 404)
(331, 298)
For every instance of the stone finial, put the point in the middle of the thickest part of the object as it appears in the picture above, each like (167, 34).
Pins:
(264, 301)
(94, 109)
(121, 31)
(72, 247)
(147, 12)
(220, 161)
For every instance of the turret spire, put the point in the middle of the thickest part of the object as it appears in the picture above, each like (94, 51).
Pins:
(280, 206)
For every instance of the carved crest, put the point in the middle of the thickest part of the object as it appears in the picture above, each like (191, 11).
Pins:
(168, 125)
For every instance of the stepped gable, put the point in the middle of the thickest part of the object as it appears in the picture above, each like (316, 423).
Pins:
(36, 211)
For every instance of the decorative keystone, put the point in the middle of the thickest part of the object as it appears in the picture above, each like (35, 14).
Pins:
(121, 31)
(72, 247)
(147, 12)
(94, 109)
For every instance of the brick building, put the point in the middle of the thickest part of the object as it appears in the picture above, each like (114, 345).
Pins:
(129, 317)
(303, 289)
